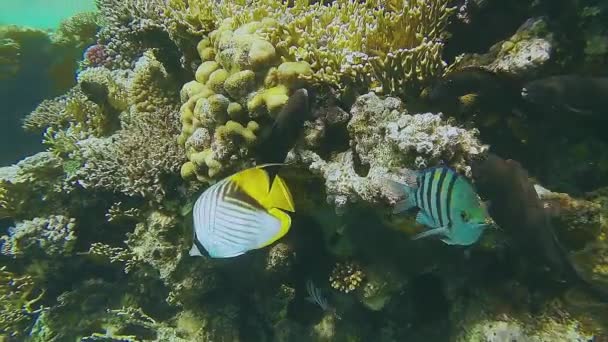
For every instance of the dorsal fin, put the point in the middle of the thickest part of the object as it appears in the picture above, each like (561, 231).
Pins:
(280, 196)
(254, 182)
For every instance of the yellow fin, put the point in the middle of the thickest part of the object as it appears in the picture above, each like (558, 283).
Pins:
(468, 100)
(279, 196)
(254, 182)
(285, 224)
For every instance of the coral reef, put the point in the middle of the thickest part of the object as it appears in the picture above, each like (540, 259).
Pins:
(51, 236)
(19, 303)
(23, 183)
(171, 96)
(238, 87)
(524, 53)
(384, 137)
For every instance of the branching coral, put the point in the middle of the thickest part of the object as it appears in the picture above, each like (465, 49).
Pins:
(19, 298)
(77, 31)
(135, 161)
(73, 109)
(17, 43)
(132, 26)
(155, 242)
(136, 158)
(9, 58)
(393, 46)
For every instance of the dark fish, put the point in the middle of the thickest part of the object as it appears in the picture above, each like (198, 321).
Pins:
(587, 96)
(475, 88)
(516, 207)
(276, 142)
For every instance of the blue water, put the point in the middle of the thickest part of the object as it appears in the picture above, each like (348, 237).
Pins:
(43, 14)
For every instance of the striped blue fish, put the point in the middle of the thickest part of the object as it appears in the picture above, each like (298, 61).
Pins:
(241, 213)
(448, 205)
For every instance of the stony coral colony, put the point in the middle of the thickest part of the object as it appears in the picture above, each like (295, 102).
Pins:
(172, 96)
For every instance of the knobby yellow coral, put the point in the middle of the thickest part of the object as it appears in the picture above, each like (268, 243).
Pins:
(240, 85)
(346, 277)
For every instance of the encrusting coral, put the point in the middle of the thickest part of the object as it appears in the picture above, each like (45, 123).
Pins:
(50, 236)
(21, 186)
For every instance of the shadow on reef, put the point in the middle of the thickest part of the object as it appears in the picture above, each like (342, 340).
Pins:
(531, 121)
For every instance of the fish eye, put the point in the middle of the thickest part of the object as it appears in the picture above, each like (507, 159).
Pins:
(464, 216)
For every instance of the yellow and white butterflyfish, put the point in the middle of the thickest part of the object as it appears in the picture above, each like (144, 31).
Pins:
(240, 213)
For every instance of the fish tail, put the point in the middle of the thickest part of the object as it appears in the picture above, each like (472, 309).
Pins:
(404, 193)
(280, 196)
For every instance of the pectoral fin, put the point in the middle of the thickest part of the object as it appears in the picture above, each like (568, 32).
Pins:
(194, 251)
(432, 232)
(402, 206)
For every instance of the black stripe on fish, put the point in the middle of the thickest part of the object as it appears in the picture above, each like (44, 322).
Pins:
(199, 246)
(449, 174)
(434, 194)
(449, 195)
(439, 192)
(429, 195)
(238, 195)
(420, 191)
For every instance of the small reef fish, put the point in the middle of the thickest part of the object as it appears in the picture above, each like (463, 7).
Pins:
(517, 208)
(586, 96)
(448, 204)
(240, 213)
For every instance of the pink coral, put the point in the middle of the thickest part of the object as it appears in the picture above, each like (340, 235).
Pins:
(96, 55)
